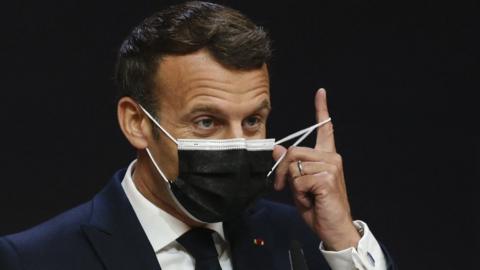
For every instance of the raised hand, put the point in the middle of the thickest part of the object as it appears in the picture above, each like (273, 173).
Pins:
(318, 184)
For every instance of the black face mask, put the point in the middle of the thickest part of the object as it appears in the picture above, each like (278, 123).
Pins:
(219, 179)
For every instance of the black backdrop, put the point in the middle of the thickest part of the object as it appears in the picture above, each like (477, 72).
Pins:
(402, 81)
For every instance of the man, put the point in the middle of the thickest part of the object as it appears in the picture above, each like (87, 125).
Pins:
(194, 101)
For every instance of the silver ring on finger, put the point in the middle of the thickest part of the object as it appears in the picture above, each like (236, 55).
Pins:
(300, 167)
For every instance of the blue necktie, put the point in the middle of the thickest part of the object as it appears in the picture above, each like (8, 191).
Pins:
(199, 243)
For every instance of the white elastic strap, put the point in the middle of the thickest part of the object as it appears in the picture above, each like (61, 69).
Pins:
(158, 125)
(170, 190)
(298, 133)
(156, 166)
(306, 132)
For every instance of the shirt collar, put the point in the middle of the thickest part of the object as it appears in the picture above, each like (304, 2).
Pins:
(160, 227)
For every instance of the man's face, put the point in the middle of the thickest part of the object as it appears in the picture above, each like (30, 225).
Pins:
(199, 98)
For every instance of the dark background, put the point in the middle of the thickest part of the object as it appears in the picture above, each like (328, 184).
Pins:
(402, 81)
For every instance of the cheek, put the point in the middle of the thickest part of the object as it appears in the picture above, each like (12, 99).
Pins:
(171, 152)
(166, 154)
(263, 132)
(260, 133)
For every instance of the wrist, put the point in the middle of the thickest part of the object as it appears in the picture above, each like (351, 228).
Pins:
(342, 239)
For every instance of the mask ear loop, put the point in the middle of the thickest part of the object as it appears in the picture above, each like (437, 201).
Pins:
(156, 166)
(160, 171)
(148, 151)
(158, 125)
(303, 133)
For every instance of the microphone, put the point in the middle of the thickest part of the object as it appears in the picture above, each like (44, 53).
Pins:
(297, 259)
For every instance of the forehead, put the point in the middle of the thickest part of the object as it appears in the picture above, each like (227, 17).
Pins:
(196, 77)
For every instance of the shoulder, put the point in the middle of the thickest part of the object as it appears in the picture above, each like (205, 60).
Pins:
(54, 240)
(8, 255)
(59, 228)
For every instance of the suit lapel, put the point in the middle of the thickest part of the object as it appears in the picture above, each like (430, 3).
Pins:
(115, 232)
(118, 238)
(251, 241)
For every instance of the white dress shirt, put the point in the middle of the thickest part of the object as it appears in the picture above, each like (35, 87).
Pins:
(162, 230)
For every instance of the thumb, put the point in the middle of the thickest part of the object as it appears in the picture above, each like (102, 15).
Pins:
(280, 180)
(278, 151)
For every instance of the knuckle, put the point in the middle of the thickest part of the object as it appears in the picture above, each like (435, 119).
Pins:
(290, 156)
(291, 150)
(335, 170)
(328, 128)
(297, 183)
(291, 169)
(328, 180)
(338, 159)
(324, 185)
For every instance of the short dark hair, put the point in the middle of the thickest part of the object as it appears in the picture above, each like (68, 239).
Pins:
(233, 40)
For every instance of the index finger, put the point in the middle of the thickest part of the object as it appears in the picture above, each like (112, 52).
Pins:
(325, 140)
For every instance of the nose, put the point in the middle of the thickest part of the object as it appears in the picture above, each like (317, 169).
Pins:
(235, 130)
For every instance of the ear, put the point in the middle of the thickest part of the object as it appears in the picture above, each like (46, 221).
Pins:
(133, 123)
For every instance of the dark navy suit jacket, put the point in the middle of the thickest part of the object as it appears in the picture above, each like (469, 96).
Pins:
(105, 233)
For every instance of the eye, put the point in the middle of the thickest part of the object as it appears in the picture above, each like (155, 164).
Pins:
(205, 123)
(252, 122)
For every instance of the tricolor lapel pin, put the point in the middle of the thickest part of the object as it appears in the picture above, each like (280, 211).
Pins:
(258, 242)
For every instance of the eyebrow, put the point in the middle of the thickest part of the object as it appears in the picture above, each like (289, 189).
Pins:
(202, 108)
